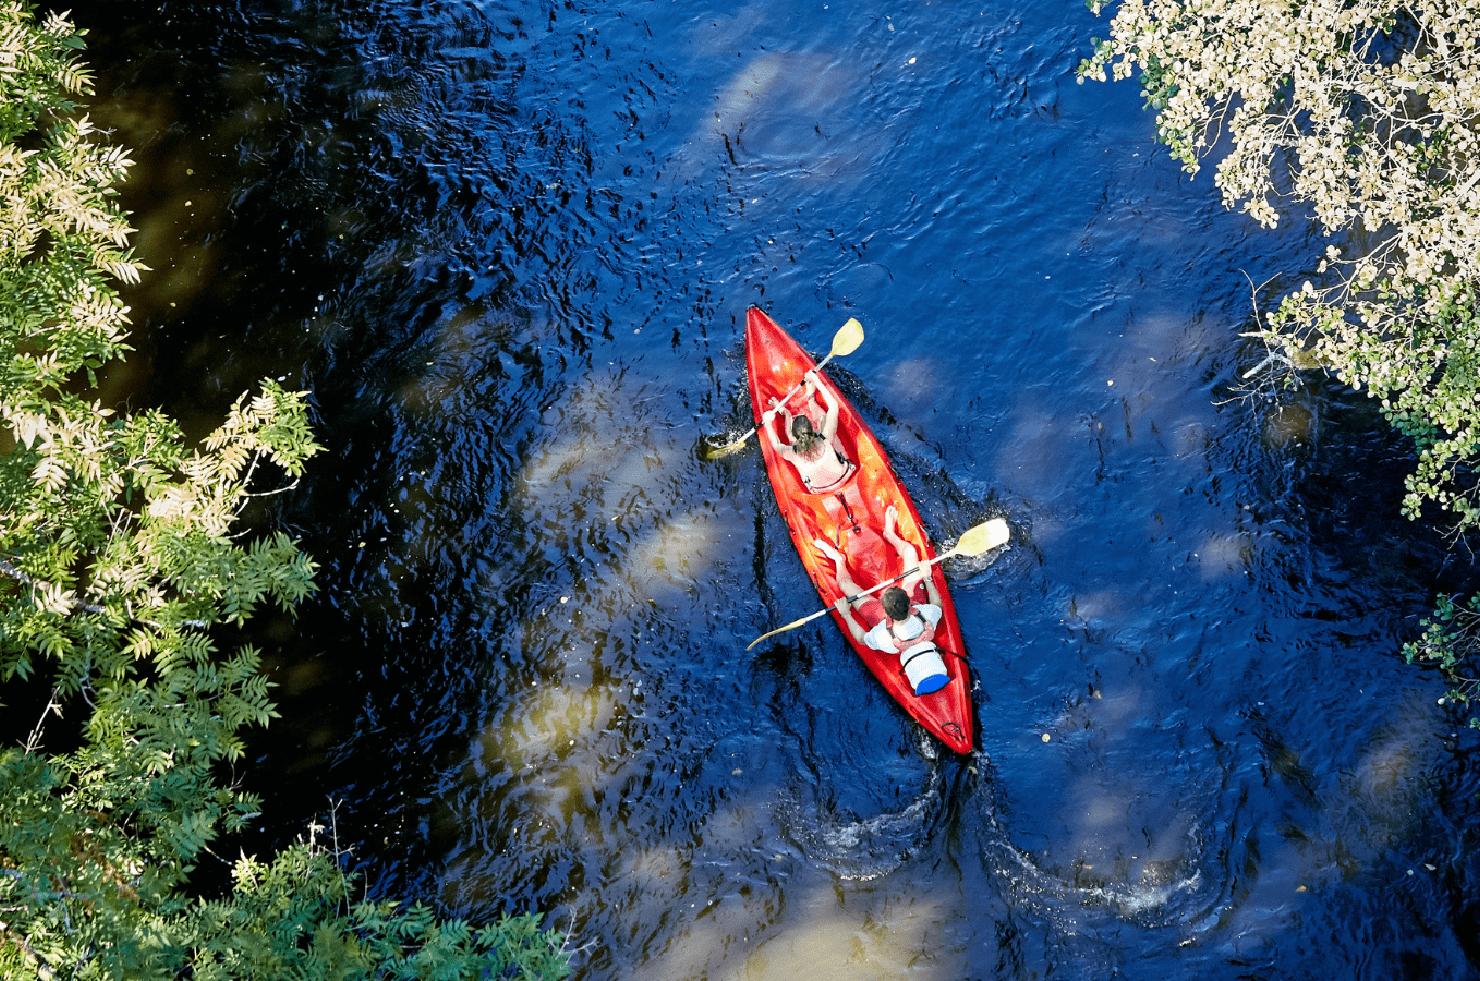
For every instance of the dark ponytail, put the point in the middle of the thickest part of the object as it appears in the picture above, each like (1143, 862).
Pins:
(803, 436)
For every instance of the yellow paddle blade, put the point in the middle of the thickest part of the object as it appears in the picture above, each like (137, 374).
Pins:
(847, 339)
(790, 626)
(711, 452)
(982, 537)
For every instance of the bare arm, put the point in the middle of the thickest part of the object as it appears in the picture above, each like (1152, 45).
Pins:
(767, 423)
(786, 417)
(830, 406)
(845, 610)
(930, 591)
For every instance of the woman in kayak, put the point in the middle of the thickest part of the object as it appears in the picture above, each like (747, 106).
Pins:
(907, 628)
(821, 465)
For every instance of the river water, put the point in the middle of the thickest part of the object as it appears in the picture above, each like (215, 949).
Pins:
(509, 247)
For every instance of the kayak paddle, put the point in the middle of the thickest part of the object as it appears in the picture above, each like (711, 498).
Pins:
(978, 539)
(845, 341)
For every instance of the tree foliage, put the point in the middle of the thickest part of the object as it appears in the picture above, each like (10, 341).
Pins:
(118, 568)
(1364, 114)
(1451, 639)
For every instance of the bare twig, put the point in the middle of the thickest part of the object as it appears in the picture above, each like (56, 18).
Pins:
(1262, 378)
(33, 741)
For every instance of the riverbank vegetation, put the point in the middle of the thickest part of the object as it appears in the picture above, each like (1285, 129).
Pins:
(123, 569)
(1365, 116)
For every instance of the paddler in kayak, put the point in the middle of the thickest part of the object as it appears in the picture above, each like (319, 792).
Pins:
(907, 627)
(822, 466)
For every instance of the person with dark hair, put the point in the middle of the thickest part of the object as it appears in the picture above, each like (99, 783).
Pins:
(822, 467)
(907, 627)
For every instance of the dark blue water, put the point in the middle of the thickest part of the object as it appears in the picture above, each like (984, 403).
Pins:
(509, 247)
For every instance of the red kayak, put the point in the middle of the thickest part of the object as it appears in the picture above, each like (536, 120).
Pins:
(850, 515)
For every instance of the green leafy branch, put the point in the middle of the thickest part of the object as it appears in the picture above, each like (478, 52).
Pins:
(1451, 641)
(120, 560)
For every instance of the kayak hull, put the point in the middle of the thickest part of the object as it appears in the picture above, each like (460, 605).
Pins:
(851, 517)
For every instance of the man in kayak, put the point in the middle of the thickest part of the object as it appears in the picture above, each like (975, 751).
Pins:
(907, 628)
(821, 465)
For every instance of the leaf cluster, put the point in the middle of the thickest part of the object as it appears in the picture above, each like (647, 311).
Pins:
(38, 68)
(1451, 640)
(120, 563)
